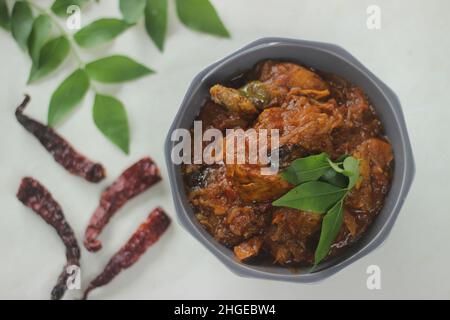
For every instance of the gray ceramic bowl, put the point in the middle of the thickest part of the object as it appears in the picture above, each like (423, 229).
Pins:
(322, 56)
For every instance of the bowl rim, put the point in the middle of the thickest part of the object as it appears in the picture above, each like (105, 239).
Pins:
(327, 270)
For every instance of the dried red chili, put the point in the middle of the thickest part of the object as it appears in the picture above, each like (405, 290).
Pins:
(60, 149)
(35, 196)
(146, 235)
(131, 183)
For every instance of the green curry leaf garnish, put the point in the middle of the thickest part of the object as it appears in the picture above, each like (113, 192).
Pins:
(321, 187)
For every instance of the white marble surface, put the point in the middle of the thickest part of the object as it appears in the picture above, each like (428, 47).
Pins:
(410, 53)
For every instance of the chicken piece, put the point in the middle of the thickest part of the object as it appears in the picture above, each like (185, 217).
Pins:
(218, 117)
(251, 185)
(248, 249)
(221, 212)
(218, 228)
(303, 122)
(247, 221)
(291, 237)
(356, 106)
(375, 157)
(350, 223)
(360, 122)
(316, 94)
(288, 153)
(289, 75)
(240, 223)
(233, 100)
(214, 192)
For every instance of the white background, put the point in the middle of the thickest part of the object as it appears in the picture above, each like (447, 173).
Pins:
(410, 53)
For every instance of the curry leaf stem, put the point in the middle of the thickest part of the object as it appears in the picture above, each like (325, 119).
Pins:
(61, 29)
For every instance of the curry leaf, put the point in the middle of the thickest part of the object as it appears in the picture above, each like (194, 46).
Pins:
(335, 166)
(306, 169)
(52, 54)
(40, 33)
(59, 7)
(156, 21)
(4, 16)
(21, 23)
(116, 69)
(132, 10)
(314, 196)
(100, 31)
(351, 170)
(67, 96)
(342, 158)
(200, 15)
(111, 119)
(334, 178)
(331, 225)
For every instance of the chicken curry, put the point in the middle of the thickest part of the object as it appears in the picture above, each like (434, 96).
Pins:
(315, 113)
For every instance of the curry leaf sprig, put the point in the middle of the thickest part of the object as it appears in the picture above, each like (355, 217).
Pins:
(39, 32)
(321, 187)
